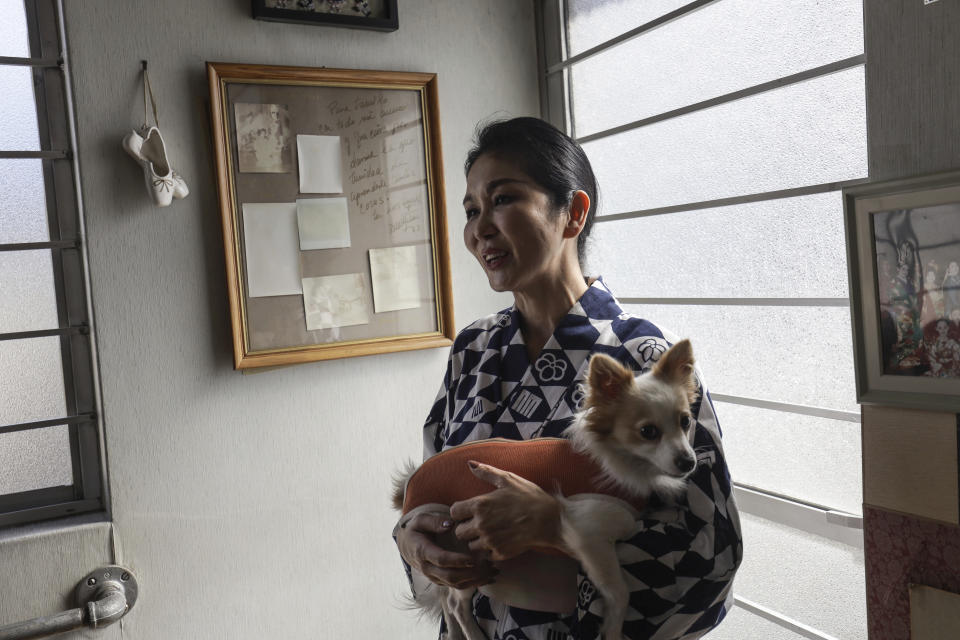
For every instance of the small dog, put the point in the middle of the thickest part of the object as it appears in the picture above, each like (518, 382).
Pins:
(637, 429)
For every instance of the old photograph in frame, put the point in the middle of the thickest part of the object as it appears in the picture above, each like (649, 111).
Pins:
(903, 252)
(332, 205)
(379, 15)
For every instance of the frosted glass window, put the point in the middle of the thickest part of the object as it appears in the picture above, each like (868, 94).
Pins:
(811, 132)
(35, 459)
(32, 374)
(787, 248)
(816, 460)
(803, 576)
(760, 41)
(26, 280)
(590, 22)
(14, 42)
(18, 111)
(803, 134)
(23, 203)
(799, 355)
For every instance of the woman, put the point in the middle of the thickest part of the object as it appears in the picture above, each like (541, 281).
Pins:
(530, 203)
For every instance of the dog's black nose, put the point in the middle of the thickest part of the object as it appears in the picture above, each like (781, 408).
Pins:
(685, 463)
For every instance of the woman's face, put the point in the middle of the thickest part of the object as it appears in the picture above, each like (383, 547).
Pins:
(511, 227)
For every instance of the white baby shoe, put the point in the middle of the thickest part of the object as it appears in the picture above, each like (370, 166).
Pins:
(163, 183)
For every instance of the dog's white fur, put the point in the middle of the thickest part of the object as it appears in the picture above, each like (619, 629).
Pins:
(639, 430)
(455, 605)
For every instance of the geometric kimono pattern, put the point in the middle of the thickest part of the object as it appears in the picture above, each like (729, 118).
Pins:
(680, 561)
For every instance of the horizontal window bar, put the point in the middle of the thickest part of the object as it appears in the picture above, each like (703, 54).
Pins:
(734, 200)
(29, 62)
(771, 501)
(786, 407)
(58, 154)
(809, 74)
(55, 422)
(44, 333)
(633, 33)
(837, 526)
(59, 509)
(49, 244)
(45, 496)
(744, 302)
(781, 620)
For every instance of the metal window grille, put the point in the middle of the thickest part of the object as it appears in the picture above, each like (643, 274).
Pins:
(556, 92)
(48, 65)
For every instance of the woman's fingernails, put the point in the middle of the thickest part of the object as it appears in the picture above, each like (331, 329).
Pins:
(446, 524)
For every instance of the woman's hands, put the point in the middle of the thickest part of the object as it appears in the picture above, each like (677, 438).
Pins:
(515, 517)
(417, 542)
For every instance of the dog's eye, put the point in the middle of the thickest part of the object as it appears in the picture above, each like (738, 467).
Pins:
(685, 423)
(649, 432)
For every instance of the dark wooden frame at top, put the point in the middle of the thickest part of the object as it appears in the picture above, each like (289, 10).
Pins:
(388, 23)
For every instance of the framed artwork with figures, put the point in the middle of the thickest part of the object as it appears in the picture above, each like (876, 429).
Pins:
(380, 15)
(332, 205)
(903, 250)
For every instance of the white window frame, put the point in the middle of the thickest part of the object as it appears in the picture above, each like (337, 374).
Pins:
(56, 127)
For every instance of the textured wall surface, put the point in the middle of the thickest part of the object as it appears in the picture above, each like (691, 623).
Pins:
(902, 550)
(921, 447)
(256, 506)
(912, 79)
(912, 100)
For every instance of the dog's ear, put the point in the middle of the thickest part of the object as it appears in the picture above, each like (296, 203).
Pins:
(607, 378)
(676, 367)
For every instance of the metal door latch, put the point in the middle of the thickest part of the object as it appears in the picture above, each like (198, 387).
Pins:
(104, 596)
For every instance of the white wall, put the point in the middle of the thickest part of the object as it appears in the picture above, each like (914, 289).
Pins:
(256, 506)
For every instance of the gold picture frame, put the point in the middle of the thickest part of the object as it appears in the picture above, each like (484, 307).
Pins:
(332, 203)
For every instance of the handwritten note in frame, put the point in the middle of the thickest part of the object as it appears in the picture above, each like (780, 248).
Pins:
(370, 139)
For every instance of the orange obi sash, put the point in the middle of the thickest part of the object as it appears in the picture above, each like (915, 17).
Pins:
(550, 463)
(539, 580)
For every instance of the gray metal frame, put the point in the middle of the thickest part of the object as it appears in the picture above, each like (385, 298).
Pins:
(55, 118)
(762, 196)
(781, 620)
(917, 392)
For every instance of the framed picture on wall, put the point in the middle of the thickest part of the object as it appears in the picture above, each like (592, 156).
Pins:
(332, 205)
(380, 15)
(903, 255)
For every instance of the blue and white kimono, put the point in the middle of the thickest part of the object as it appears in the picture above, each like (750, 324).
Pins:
(680, 562)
